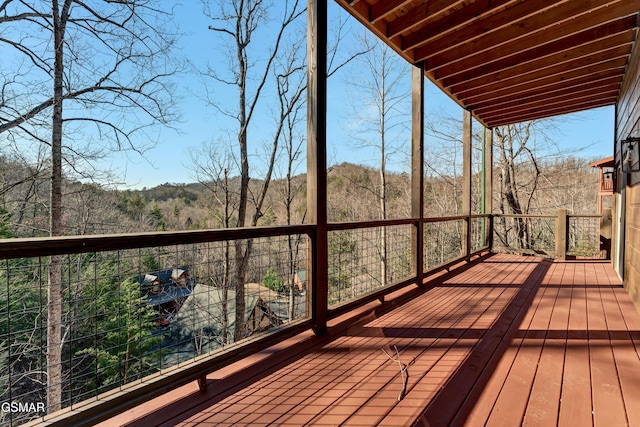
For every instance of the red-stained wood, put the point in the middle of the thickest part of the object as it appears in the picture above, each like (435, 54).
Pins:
(608, 405)
(509, 341)
(471, 48)
(575, 400)
(544, 397)
(624, 325)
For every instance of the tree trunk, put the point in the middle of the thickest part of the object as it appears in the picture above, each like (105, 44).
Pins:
(54, 306)
(383, 199)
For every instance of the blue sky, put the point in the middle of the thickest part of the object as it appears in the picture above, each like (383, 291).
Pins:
(590, 131)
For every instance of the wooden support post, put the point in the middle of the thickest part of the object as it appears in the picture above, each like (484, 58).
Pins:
(417, 167)
(488, 185)
(466, 183)
(202, 383)
(317, 255)
(561, 234)
(606, 232)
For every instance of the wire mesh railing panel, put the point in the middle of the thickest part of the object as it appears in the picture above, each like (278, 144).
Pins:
(442, 242)
(23, 339)
(478, 232)
(128, 314)
(534, 234)
(584, 236)
(366, 259)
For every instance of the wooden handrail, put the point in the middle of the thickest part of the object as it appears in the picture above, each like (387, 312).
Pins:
(45, 246)
(562, 229)
(103, 407)
(523, 216)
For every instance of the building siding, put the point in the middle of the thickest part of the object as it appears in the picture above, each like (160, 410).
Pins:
(628, 125)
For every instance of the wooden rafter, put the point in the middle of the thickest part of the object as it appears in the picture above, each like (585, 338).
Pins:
(511, 60)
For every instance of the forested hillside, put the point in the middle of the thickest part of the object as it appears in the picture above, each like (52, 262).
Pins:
(91, 209)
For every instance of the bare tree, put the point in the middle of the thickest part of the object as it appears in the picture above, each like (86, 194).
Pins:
(82, 79)
(512, 146)
(526, 157)
(211, 168)
(381, 95)
(248, 72)
(255, 49)
(291, 84)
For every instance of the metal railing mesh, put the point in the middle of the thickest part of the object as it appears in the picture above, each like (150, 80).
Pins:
(531, 234)
(442, 242)
(128, 314)
(478, 230)
(584, 236)
(367, 259)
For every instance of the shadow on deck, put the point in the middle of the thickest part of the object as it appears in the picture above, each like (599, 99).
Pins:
(505, 340)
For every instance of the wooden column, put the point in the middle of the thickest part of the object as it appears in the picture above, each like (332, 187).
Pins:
(488, 185)
(561, 234)
(606, 232)
(317, 256)
(417, 169)
(466, 183)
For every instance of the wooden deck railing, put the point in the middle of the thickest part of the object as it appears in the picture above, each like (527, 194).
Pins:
(556, 236)
(100, 271)
(104, 282)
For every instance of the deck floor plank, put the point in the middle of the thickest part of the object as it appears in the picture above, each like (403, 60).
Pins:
(495, 399)
(542, 405)
(511, 340)
(622, 325)
(511, 403)
(608, 405)
(575, 400)
(544, 398)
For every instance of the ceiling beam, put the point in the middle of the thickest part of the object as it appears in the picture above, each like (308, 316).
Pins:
(604, 77)
(457, 19)
(609, 35)
(511, 59)
(382, 9)
(495, 46)
(603, 86)
(616, 56)
(552, 112)
(427, 11)
(564, 103)
(494, 29)
(615, 66)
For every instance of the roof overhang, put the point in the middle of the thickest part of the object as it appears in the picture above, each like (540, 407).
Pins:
(510, 61)
(603, 163)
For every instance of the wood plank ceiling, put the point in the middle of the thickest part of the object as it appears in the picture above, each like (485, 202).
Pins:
(509, 61)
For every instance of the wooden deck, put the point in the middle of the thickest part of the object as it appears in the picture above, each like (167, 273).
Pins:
(508, 341)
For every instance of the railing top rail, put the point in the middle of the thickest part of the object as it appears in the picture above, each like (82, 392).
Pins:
(523, 216)
(546, 216)
(46, 246)
(446, 218)
(336, 226)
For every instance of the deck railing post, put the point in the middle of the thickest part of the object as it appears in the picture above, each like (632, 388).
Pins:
(604, 236)
(488, 186)
(489, 236)
(466, 184)
(562, 238)
(317, 160)
(417, 167)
